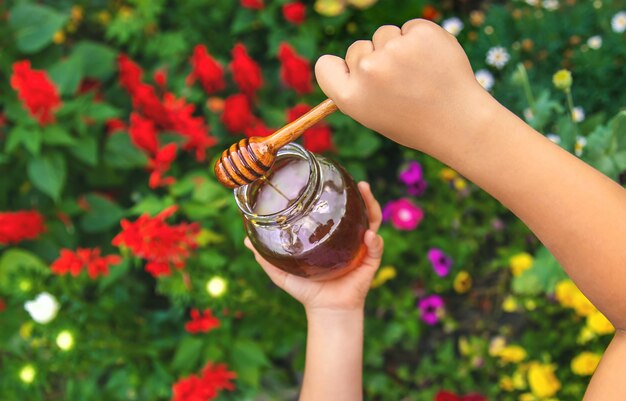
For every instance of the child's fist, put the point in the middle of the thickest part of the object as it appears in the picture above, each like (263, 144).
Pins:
(413, 84)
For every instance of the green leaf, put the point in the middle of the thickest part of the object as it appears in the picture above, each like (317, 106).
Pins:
(247, 359)
(34, 25)
(119, 152)
(361, 144)
(98, 60)
(102, 111)
(102, 214)
(67, 74)
(187, 354)
(542, 277)
(86, 150)
(57, 135)
(48, 173)
(16, 262)
(152, 205)
(618, 125)
(30, 137)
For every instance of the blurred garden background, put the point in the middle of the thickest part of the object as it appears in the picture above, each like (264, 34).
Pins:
(123, 274)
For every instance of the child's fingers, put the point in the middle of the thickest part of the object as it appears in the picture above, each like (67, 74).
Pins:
(356, 52)
(331, 73)
(375, 246)
(384, 34)
(275, 274)
(374, 213)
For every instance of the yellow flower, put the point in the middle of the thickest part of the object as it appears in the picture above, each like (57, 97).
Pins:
(585, 335)
(329, 8)
(26, 330)
(28, 373)
(512, 354)
(519, 381)
(447, 174)
(496, 345)
(586, 363)
(462, 282)
(564, 292)
(58, 38)
(65, 340)
(506, 384)
(543, 383)
(562, 80)
(103, 17)
(582, 305)
(570, 296)
(520, 262)
(216, 286)
(459, 184)
(530, 304)
(464, 346)
(76, 13)
(510, 304)
(362, 4)
(599, 324)
(385, 274)
(125, 12)
(527, 397)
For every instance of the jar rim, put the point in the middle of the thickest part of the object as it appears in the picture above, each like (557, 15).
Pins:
(242, 193)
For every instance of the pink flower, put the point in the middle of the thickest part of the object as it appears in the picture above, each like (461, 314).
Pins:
(404, 215)
(430, 308)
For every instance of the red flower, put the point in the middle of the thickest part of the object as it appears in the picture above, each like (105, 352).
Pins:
(143, 134)
(246, 72)
(3, 305)
(449, 396)
(206, 387)
(253, 4)
(237, 115)
(295, 71)
(430, 13)
(20, 226)
(160, 78)
(317, 138)
(75, 262)
(130, 73)
(160, 164)
(171, 114)
(201, 323)
(207, 70)
(153, 239)
(115, 124)
(294, 12)
(36, 91)
(158, 269)
(182, 121)
(258, 128)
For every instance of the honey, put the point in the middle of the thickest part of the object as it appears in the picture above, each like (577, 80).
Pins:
(306, 215)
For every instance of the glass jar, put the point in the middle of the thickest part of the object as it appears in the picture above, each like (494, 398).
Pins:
(306, 215)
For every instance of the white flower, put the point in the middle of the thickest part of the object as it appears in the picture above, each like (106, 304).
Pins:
(528, 114)
(498, 57)
(578, 114)
(618, 22)
(216, 286)
(554, 138)
(485, 79)
(453, 25)
(595, 42)
(551, 5)
(42, 309)
(532, 2)
(581, 142)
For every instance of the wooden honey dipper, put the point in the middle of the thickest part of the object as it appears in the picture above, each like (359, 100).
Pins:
(250, 158)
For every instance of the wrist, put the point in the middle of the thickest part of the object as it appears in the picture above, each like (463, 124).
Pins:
(332, 316)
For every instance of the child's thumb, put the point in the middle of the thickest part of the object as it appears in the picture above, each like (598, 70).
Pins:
(331, 73)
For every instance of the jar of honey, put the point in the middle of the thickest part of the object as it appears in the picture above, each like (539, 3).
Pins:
(306, 215)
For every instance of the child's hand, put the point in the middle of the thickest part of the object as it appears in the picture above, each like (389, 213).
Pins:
(346, 293)
(408, 83)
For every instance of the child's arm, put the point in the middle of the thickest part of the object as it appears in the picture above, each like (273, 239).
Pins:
(415, 85)
(334, 311)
